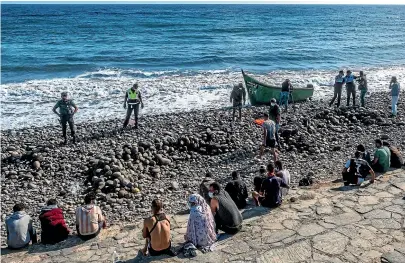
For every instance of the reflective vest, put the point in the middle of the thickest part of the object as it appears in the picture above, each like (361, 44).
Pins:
(132, 97)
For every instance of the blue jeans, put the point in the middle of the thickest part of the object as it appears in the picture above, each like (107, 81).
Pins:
(284, 96)
(394, 104)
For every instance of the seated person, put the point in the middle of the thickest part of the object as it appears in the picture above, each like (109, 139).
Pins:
(387, 149)
(396, 160)
(283, 174)
(270, 194)
(205, 186)
(201, 224)
(381, 161)
(89, 218)
(237, 190)
(364, 154)
(53, 224)
(257, 181)
(19, 229)
(156, 231)
(356, 170)
(226, 214)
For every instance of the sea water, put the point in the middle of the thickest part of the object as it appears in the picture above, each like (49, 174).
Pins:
(184, 57)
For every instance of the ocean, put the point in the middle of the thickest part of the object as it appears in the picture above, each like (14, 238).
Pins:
(184, 57)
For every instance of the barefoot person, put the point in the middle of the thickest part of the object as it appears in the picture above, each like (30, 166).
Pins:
(133, 98)
(339, 81)
(67, 108)
(269, 138)
(238, 96)
(395, 88)
(156, 231)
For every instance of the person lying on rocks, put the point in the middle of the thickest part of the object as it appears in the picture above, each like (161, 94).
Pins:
(365, 155)
(257, 181)
(381, 161)
(237, 190)
(53, 224)
(19, 228)
(89, 218)
(283, 174)
(205, 186)
(356, 170)
(396, 160)
(156, 231)
(270, 194)
(201, 225)
(226, 213)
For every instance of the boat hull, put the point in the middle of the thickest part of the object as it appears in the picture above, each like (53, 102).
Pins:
(260, 93)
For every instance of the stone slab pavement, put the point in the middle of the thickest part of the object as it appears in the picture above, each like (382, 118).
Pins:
(325, 223)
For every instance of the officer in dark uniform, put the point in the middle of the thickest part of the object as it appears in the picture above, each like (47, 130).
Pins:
(133, 98)
(67, 108)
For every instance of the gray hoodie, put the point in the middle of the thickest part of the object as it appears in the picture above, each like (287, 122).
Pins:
(19, 227)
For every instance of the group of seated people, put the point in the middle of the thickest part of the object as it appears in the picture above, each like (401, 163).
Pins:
(20, 231)
(361, 165)
(214, 209)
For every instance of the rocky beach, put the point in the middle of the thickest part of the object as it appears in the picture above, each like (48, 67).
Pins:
(170, 154)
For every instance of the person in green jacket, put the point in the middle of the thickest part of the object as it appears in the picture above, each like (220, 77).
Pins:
(133, 98)
(362, 81)
(67, 108)
(381, 162)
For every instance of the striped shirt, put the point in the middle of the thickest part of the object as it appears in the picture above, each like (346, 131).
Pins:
(88, 218)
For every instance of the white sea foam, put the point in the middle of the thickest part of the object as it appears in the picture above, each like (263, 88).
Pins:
(99, 95)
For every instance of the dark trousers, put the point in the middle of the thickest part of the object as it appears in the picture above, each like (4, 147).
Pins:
(349, 178)
(219, 224)
(88, 237)
(130, 108)
(237, 105)
(377, 168)
(64, 119)
(351, 91)
(337, 92)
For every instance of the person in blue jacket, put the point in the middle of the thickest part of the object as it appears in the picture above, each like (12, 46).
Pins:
(350, 87)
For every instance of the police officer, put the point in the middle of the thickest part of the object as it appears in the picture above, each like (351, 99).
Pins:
(350, 87)
(339, 81)
(66, 113)
(133, 98)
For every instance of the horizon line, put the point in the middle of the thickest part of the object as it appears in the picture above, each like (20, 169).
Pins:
(191, 2)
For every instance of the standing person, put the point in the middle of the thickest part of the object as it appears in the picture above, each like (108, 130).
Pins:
(350, 87)
(19, 228)
(201, 225)
(53, 224)
(133, 98)
(66, 113)
(238, 96)
(275, 115)
(226, 214)
(270, 194)
(286, 88)
(356, 170)
(237, 190)
(337, 92)
(381, 161)
(395, 88)
(89, 218)
(362, 87)
(269, 138)
(156, 231)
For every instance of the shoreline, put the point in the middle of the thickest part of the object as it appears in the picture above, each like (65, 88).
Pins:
(188, 144)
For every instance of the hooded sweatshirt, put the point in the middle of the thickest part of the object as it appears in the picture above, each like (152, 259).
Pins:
(53, 225)
(19, 226)
(88, 219)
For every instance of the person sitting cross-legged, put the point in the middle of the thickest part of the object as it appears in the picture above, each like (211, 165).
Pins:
(270, 194)
(381, 161)
(19, 228)
(201, 224)
(53, 224)
(237, 190)
(89, 218)
(226, 213)
(156, 231)
(356, 169)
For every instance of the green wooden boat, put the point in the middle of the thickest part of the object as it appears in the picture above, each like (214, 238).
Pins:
(260, 93)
